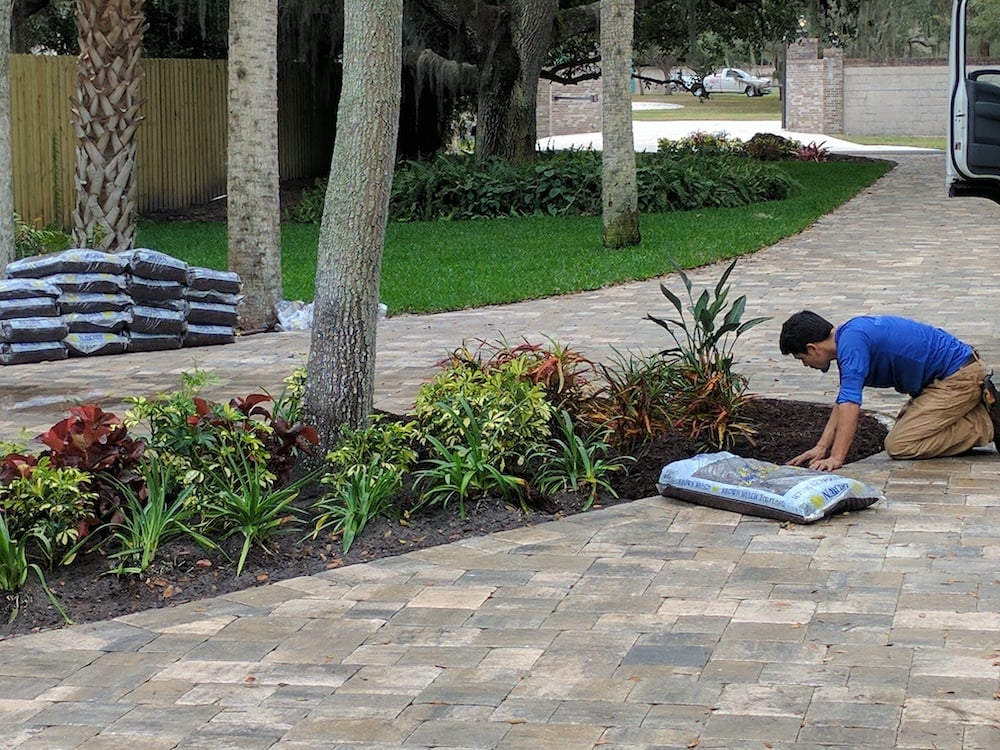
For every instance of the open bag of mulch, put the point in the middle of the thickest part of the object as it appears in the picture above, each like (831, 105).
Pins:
(759, 488)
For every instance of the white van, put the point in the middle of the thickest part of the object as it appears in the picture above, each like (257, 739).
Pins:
(974, 133)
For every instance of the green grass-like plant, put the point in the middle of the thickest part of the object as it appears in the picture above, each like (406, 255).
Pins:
(575, 463)
(146, 524)
(466, 469)
(357, 498)
(245, 502)
(15, 566)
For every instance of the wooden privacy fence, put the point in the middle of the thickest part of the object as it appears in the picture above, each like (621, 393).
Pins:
(181, 145)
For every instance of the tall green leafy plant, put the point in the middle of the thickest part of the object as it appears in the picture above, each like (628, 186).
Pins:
(709, 392)
(246, 502)
(468, 468)
(151, 518)
(576, 462)
(15, 566)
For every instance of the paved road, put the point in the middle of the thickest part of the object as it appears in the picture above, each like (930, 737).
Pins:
(650, 625)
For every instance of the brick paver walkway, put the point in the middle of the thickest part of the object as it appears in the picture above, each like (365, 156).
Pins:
(650, 625)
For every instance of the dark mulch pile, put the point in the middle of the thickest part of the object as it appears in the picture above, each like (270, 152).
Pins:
(183, 572)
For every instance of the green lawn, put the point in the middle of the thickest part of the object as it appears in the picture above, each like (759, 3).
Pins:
(449, 265)
(716, 107)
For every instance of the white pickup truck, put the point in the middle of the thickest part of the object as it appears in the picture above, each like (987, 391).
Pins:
(736, 81)
(973, 166)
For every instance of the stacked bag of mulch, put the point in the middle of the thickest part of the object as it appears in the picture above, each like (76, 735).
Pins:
(31, 329)
(92, 301)
(85, 302)
(212, 298)
(156, 283)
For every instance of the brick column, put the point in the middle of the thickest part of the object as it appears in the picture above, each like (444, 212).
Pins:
(814, 88)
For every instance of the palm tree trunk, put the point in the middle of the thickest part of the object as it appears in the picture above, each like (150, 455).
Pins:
(253, 208)
(106, 118)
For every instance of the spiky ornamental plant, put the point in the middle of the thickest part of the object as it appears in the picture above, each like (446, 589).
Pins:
(708, 394)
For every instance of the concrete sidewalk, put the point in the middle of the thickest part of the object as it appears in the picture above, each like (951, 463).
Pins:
(654, 624)
(646, 134)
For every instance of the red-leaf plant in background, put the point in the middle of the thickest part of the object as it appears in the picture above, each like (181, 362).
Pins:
(97, 442)
(282, 442)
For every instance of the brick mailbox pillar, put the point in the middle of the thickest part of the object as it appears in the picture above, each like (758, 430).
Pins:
(814, 88)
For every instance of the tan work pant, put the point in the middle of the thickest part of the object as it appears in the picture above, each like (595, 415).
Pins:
(947, 418)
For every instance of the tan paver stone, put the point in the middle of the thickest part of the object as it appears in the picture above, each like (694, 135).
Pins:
(390, 681)
(452, 597)
(369, 732)
(981, 737)
(920, 619)
(535, 736)
(773, 729)
(247, 694)
(15, 712)
(952, 711)
(774, 611)
(125, 741)
(763, 700)
(924, 734)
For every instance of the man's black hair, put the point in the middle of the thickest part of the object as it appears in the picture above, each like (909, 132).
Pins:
(802, 329)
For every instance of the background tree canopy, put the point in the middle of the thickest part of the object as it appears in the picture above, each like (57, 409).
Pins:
(481, 62)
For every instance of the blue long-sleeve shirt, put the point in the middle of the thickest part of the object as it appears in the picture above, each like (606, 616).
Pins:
(890, 352)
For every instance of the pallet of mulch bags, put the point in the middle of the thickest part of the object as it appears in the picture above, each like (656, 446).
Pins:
(108, 303)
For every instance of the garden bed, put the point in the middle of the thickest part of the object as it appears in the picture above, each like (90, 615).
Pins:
(183, 572)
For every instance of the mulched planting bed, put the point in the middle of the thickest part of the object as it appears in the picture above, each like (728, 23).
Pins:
(183, 572)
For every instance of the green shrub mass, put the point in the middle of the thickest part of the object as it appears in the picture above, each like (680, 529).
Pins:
(568, 183)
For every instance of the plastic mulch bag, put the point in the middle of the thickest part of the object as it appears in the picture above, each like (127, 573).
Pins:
(215, 298)
(157, 320)
(152, 264)
(25, 330)
(197, 335)
(153, 342)
(207, 279)
(73, 302)
(75, 260)
(92, 344)
(210, 314)
(88, 283)
(29, 307)
(27, 288)
(758, 488)
(143, 289)
(109, 321)
(31, 351)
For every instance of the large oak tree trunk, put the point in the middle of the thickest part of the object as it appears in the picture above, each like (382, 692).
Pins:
(341, 370)
(508, 80)
(253, 208)
(106, 118)
(619, 189)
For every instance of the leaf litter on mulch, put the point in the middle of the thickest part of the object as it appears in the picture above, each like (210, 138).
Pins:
(183, 572)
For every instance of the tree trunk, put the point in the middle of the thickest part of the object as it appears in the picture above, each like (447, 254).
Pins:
(620, 193)
(106, 118)
(253, 206)
(341, 370)
(508, 80)
(6, 156)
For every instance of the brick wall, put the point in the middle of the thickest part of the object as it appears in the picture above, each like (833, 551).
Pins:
(566, 109)
(825, 93)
